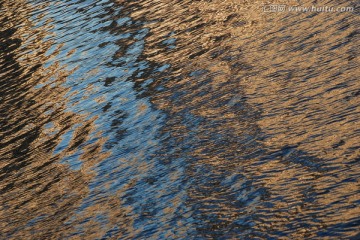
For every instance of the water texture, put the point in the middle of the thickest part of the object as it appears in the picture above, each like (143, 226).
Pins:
(159, 119)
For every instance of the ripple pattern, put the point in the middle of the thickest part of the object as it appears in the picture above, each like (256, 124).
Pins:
(157, 119)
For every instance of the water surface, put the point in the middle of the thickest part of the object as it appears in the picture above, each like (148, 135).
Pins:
(178, 120)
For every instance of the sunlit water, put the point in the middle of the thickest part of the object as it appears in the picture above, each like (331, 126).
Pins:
(178, 120)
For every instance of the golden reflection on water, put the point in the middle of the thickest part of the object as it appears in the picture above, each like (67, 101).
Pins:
(260, 138)
(301, 76)
(34, 184)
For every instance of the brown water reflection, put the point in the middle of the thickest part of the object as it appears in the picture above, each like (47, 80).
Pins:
(178, 120)
(32, 184)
